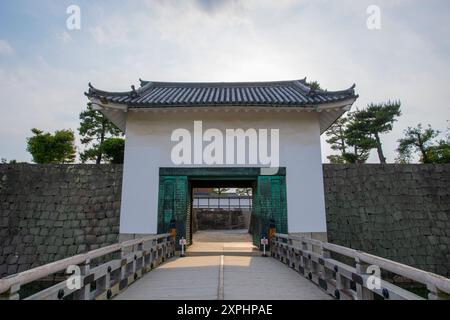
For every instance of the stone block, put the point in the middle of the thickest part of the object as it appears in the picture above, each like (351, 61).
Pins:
(91, 239)
(28, 239)
(12, 269)
(3, 270)
(80, 239)
(78, 232)
(8, 250)
(12, 259)
(72, 250)
(52, 249)
(68, 233)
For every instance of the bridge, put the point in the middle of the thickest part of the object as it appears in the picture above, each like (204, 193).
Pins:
(223, 266)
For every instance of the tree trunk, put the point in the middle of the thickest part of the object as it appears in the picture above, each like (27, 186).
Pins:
(424, 154)
(100, 152)
(356, 160)
(380, 149)
(422, 149)
(343, 151)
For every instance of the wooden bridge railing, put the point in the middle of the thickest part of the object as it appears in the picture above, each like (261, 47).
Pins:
(314, 259)
(134, 258)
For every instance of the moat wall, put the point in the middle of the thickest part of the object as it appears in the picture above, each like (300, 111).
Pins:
(49, 212)
(401, 212)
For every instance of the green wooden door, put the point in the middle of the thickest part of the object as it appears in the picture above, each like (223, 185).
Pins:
(269, 203)
(174, 203)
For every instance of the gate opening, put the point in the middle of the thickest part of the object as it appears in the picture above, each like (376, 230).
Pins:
(182, 203)
(221, 210)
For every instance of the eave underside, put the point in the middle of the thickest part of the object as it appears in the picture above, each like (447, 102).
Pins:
(328, 113)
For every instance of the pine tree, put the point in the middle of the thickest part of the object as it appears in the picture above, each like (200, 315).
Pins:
(417, 140)
(376, 119)
(94, 129)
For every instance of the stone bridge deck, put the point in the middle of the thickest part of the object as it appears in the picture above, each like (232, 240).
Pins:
(223, 265)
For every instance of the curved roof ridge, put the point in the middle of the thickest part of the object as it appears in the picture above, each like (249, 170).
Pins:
(345, 91)
(217, 84)
(92, 91)
(305, 86)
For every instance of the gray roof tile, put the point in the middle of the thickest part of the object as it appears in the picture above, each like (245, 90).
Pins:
(170, 94)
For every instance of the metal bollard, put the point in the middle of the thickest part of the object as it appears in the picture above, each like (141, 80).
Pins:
(264, 242)
(182, 244)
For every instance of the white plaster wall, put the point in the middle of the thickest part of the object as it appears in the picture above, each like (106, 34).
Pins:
(148, 147)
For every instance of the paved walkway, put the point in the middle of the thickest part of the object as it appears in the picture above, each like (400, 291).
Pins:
(217, 269)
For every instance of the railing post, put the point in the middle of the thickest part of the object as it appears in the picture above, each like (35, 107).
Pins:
(135, 266)
(277, 247)
(306, 261)
(146, 258)
(142, 266)
(435, 294)
(362, 292)
(272, 243)
(12, 293)
(104, 284)
(123, 281)
(325, 274)
(287, 252)
(155, 256)
(84, 293)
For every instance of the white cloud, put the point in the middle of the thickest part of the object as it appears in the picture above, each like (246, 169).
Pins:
(5, 48)
(98, 34)
(38, 96)
(64, 37)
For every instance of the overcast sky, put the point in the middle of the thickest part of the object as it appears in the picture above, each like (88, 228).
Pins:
(45, 68)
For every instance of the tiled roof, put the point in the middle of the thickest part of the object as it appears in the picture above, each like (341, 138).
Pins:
(172, 94)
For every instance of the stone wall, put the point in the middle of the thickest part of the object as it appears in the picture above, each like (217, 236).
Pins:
(401, 212)
(49, 212)
(220, 219)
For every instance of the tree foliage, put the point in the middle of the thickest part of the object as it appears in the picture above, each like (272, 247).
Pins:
(338, 140)
(439, 153)
(358, 140)
(422, 142)
(94, 130)
(244, 192)
(416, 140)
(113, 150)
(368, 124)
(220, 191)
(355, 135)
(48, 148)
(345, 137)
(5, 161)
(314, 85)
